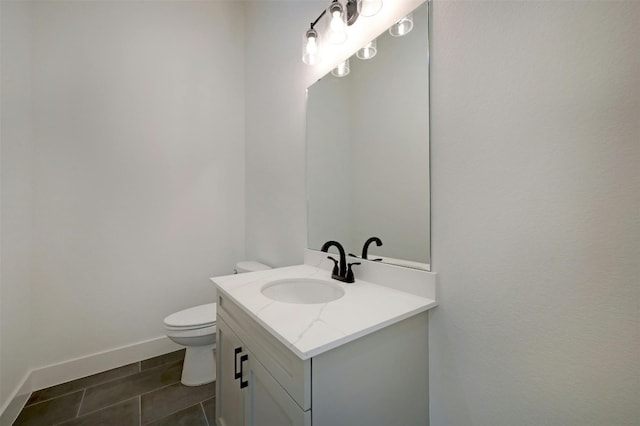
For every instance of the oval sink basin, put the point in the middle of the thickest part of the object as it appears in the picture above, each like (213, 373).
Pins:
(302, 290)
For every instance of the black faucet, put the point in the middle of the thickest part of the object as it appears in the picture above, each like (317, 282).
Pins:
(365, 248)
(342, 271)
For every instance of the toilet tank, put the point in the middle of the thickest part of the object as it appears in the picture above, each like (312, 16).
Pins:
(250, 266)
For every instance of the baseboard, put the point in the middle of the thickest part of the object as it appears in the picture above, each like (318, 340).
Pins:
(55, 374)
(9, 412)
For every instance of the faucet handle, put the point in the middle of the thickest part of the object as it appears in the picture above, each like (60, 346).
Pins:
(335, 265)
(350, 278)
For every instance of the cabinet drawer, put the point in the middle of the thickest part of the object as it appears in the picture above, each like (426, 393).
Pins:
(293, 374)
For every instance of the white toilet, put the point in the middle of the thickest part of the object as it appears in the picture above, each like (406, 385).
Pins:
(195, 328)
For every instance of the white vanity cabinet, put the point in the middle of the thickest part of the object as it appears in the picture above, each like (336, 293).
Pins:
(229, 394)
(253, 397)
(377, 379)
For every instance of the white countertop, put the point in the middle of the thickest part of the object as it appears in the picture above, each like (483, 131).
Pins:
(311, 329)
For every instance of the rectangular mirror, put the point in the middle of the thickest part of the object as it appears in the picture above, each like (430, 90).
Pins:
(368, 152)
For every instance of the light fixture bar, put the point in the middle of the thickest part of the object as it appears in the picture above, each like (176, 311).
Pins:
(340, 17)
(352, 11)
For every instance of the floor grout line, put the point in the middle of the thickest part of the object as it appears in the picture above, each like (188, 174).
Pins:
(79, 389)
(84, 391)
(157, 389)
(205, 413)
(177, 411)
(139, 410)
(94, 411)
(139, 396)
(108, 406)
(51, 399)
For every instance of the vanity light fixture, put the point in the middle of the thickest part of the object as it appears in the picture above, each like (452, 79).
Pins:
(368, 51)
(340, 15)
(342, 70)
(402, 27)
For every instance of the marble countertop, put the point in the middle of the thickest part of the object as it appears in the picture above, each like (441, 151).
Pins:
(311, 329)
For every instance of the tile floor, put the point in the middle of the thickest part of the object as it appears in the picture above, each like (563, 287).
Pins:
(148, 392)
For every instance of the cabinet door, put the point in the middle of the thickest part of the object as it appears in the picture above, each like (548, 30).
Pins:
(267, 403)
(229, 395)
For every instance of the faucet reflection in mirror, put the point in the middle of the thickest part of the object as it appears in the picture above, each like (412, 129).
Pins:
(340, 17)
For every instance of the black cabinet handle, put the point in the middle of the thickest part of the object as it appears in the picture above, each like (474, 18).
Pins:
(243, 384)
(237, 374)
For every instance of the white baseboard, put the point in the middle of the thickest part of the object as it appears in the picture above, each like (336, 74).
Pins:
(10, 410)
(55, 374)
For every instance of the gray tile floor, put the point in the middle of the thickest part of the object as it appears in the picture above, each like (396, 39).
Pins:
(148, 392)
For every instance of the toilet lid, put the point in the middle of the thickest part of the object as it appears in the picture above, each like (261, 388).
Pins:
(197, 316)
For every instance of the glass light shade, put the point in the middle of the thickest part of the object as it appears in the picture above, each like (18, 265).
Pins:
(311, 48)
(342, 70)
(402, 27)
(368, 51)
(370, 7)
(337, 28)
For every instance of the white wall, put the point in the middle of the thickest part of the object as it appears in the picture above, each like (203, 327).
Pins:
(536, 231)
(16, 187)
(275, 85)
(139, 177)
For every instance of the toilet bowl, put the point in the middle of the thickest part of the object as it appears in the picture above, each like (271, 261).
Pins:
(195, 328)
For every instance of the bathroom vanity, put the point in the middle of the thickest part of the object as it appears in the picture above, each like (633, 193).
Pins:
(295, 347)
(361, 359)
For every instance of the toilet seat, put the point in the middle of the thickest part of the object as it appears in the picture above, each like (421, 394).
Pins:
(208, 333)
(202, 316)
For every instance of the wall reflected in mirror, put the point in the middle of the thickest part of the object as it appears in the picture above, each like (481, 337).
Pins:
(368, 152)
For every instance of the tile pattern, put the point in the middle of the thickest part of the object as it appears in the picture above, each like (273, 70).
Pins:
(148, 392)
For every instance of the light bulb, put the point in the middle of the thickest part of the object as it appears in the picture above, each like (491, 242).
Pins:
(402, 27)
(336, 21)
(370, 7)
(342, 70)
(311, 48)
(368, 51)
(337, 31)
